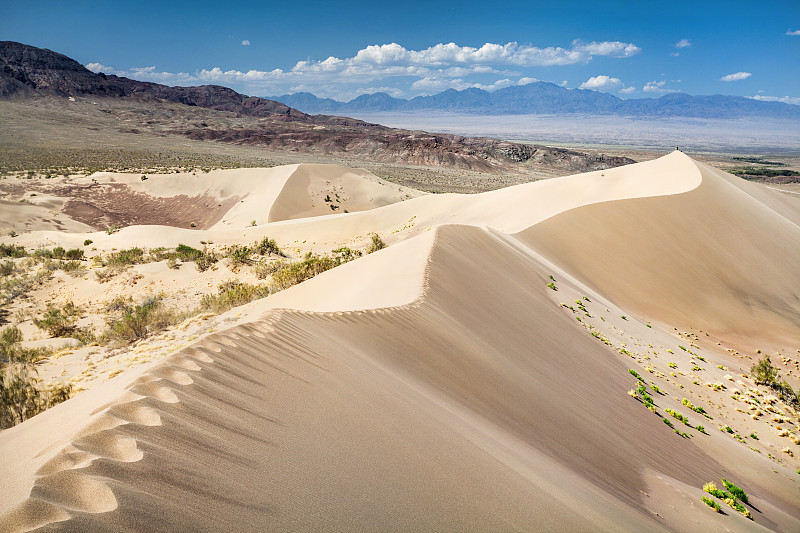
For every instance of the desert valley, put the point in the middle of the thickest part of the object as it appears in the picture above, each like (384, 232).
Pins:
(221, 313)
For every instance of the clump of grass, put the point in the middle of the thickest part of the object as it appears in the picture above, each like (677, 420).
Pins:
(735, 490)
(711, 503)
(552, 286)
(677, 415)
(232, 294)
(701, 429)
(635, 374)
(696, 409)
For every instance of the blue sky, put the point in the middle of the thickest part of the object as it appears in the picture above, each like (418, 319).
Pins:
(631, 49)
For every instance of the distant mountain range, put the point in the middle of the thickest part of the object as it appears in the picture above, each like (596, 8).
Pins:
(548, 98)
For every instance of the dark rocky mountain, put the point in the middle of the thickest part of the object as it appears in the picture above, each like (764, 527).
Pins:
(548, 98)
(27, 72)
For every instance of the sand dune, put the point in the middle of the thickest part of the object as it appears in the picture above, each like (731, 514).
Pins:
(439, 384)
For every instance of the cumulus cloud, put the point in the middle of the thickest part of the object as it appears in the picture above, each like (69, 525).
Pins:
(245, 43)
(426, 85)
(97, 67)
(601, 83)
(510, 54)
(785, 99)
(441, 66)
(792, 32)
(526, 81)
(606, 83)
(736, 76)
(656, 87)
(683, 43)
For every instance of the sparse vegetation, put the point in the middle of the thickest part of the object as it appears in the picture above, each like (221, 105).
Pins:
(21, 393)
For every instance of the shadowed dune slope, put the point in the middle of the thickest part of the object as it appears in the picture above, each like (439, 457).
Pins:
(454, 413)
(716, 258)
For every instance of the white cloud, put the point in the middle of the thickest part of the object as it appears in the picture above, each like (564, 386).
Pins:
(675, 54)
(512, 53)
(97, 67)
(526, 81)
(245, 43)
(563, 83)
(439, 84)
(785, 99)
(429, 69)
(656, 87)
(792, 32)
(683, 43)
(628, 90)
(736, 76)
(601, 83)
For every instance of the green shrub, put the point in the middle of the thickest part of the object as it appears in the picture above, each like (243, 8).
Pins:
(137, 322)
(206, 261)
(74, 267)
(239, 255)
(12, 250)
(701, 429)
(59, 322)
(58, 252)
(21, 396)
(123, 258)
(87, 242)
(73, 255)
(232, 294)
(7, 268)
(377, 244)
(187, 253)
(764, 373)
(288, 274)
(267, 246)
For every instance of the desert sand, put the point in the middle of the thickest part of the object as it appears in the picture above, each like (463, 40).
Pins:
(440, 384)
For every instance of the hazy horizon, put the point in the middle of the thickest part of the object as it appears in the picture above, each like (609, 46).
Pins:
(750, 135)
